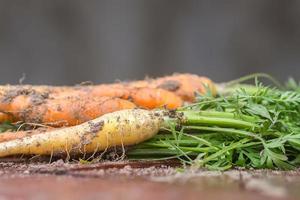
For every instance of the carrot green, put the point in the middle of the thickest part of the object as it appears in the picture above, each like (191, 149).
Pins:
(253, 126)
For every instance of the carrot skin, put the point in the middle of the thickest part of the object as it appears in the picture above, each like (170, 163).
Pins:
(67, 111)
(7, 136)
(43, 104)
(121, 128)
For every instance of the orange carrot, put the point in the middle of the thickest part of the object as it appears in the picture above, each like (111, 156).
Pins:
(154, 98)
(65, 111)
(7, 136)
(143, 97)
(72, 105)
(184, 85)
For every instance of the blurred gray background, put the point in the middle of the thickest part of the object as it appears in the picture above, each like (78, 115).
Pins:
(68, 41)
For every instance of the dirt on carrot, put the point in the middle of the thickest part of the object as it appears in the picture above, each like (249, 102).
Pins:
(29, 103)
(64, 111)
(184, 85)
(13, 135)
(117, 129)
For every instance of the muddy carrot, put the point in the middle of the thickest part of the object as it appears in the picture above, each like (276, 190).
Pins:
(13, 135)
(143, 97)
(70, 108)
(65, 111)
(184, 85)
(168, 92)
(126, 127)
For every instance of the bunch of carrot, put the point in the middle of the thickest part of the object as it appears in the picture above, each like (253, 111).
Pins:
(250, 126)
(70, 106)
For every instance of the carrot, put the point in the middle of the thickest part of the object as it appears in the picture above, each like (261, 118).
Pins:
(74, 107)
(7, 136)
(154, 98)
(184, 85)
(143, 97)
(6, 117)
(168, 92)
(126, 127)
(64, 111)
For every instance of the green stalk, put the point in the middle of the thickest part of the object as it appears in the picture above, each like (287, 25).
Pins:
(171, 137)
(224, 90)
(224, 130)
(156, 152)
(252, 76)
(224, 150)
(226, 114)
(191, 118)
(181, 142)
(187, 148)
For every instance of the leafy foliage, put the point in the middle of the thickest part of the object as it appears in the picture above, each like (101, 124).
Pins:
(250, 129)
(7, 126)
